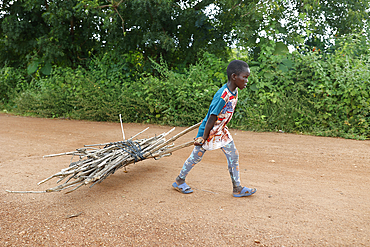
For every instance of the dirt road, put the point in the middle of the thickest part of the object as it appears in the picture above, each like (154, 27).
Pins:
(311, 191)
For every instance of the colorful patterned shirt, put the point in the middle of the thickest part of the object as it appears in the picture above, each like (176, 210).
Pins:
(223, 106)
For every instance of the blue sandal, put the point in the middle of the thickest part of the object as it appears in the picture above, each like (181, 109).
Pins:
(245, 192)
(183, 188)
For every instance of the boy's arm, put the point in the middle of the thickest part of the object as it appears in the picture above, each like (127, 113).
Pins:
(209, 125)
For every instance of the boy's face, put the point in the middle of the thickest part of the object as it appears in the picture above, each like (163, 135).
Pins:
(241, 80)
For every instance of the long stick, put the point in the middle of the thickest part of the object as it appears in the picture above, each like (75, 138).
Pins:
(139, 133)
(173, 138)
(53, 155)
(123, 133)
(170, 150)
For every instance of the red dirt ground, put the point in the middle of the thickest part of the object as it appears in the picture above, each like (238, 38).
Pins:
(311, 191)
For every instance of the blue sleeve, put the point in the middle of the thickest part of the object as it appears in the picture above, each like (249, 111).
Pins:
(215, 108)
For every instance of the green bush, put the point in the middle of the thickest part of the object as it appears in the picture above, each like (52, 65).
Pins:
(102, 92)
(310, 92)
(181, 98)
(12, 81)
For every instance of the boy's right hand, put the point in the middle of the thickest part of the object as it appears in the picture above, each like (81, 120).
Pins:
(199, 141)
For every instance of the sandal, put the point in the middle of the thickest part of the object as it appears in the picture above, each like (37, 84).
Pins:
(245, 192)
(183, 188)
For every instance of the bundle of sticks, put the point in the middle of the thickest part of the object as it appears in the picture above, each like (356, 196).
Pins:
(96, 164)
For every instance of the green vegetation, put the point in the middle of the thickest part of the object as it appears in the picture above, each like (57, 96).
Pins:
(312, 93)
(161, 61)
(321, 94)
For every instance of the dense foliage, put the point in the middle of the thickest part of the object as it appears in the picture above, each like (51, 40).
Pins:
(321, 94)
(324, 94)
(161, 61)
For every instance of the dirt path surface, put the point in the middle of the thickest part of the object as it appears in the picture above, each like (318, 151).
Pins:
(311, 191)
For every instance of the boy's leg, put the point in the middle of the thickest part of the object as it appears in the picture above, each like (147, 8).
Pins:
(232, 156)
(194, 158)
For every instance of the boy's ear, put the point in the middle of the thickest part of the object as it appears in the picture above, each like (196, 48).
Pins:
(233, 76)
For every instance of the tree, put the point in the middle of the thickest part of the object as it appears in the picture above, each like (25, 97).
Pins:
(42, 32)
(307, 22)
(66, 33)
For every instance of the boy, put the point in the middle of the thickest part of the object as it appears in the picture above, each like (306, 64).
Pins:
(213, 132)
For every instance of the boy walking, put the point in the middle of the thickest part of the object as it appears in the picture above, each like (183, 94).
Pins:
(213, 132)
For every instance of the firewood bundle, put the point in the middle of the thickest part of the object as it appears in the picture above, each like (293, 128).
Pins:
(96, 164)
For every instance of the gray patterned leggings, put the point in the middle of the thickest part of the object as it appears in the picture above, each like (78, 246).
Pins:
(232, 156)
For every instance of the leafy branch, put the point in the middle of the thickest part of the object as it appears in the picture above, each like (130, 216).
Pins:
(115, 6)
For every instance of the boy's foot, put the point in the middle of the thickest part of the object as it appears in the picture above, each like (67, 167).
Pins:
(243, 191)
(183, 188)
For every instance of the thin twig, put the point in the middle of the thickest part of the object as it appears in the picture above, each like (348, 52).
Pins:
(73, 215)
(23, 192)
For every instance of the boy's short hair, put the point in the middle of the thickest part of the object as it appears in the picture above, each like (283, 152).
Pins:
(236, 66)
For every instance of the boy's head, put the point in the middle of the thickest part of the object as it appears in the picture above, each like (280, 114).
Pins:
(236, 67)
